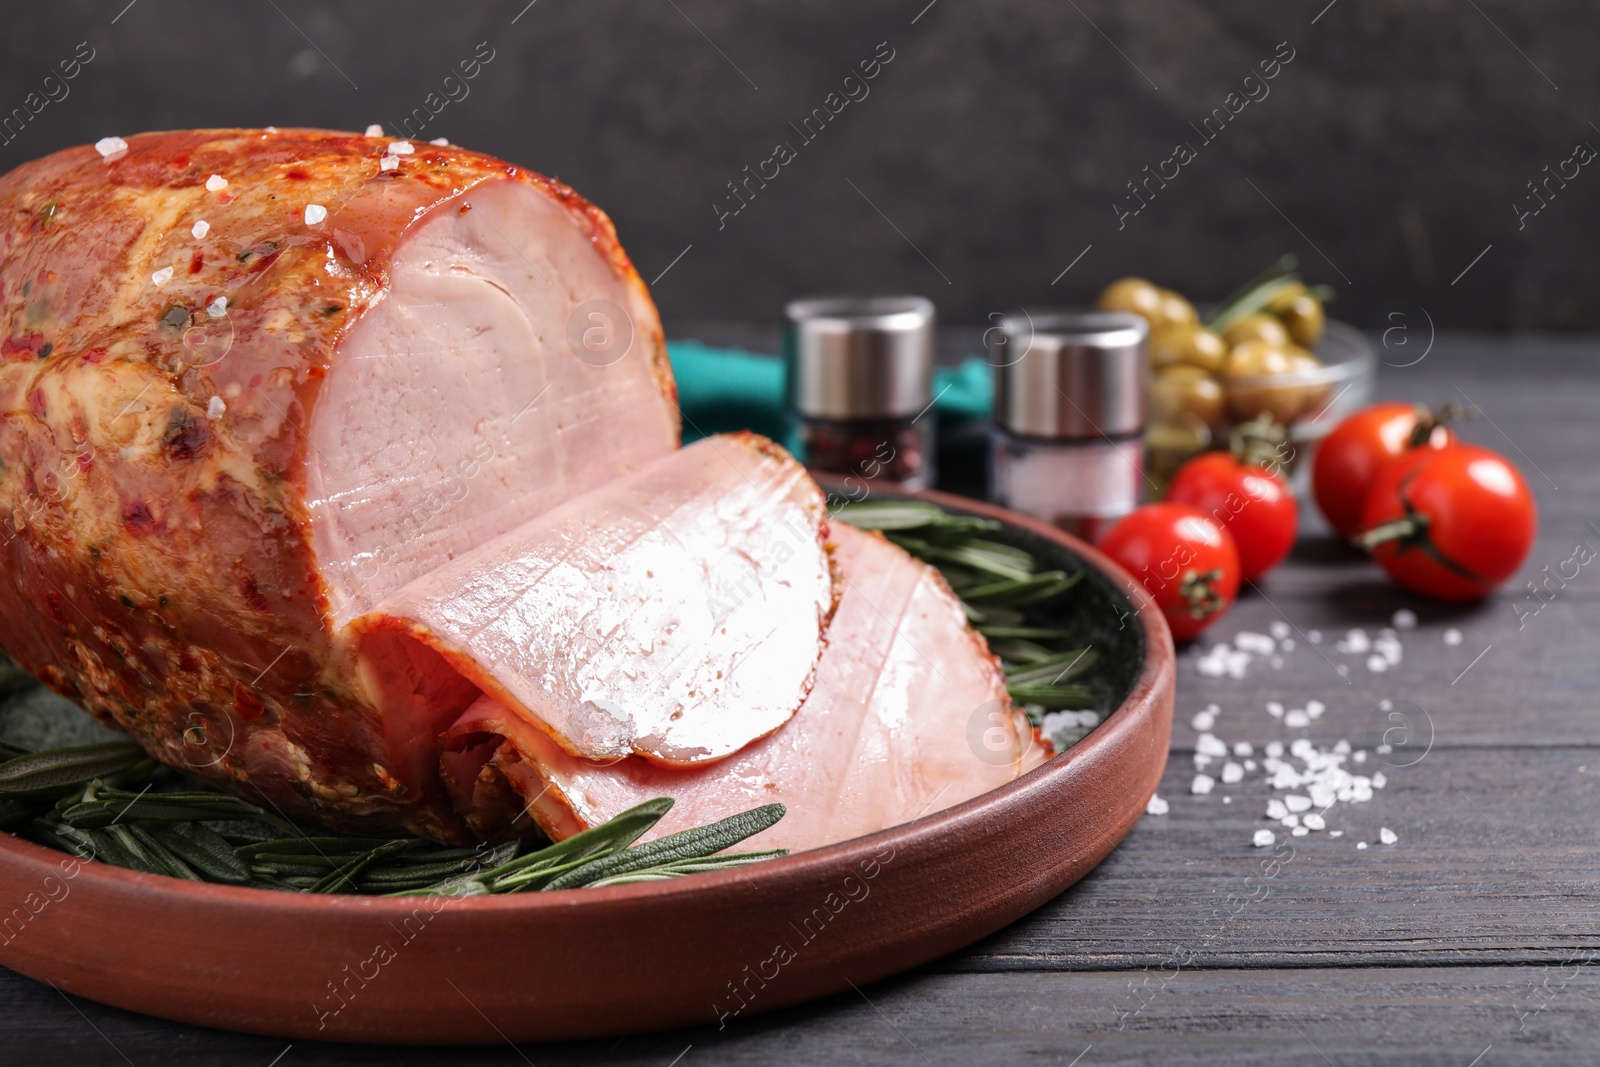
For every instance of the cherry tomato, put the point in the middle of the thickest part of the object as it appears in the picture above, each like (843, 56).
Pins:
(1351, 456)
(1251, 502)
(1184, 559)
(1451, 522)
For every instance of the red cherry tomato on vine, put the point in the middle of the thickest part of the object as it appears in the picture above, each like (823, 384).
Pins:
(1451, 523)
(1251, 502)
(1351, 456)
(1184, 559)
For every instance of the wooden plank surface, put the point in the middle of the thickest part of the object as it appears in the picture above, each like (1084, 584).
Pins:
(1473, 938)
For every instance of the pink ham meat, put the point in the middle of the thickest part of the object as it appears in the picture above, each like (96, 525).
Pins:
(253, 383)
(603, 622)
(909, 715)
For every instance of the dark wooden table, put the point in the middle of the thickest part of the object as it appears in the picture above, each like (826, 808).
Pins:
(1473, 940)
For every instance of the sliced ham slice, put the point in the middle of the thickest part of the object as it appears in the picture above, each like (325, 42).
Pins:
(909, 715)
(675, 614)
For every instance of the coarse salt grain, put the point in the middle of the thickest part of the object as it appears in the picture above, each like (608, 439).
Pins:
(1274, 749)
(374, 130)
(200, 229)
(1296, 718)
(1315, 708)
(1296, 802)
(1243, 748)
(1404, 619)
(1279, 629)
(1227, 800)
(1313, 821)
(1315, 637)
(1387, 836)
(1275, 709)
(401, 148)
(1201, 762)
(1263, 838)
(1377, 664)
(218, 307)
(388, 162)
(216, 183)
(1232, 772)
(315, 213)
(1290, 820)
(1361, 757)
(1299, 831)
(1335, 833)
(1203, 720)
(1249, 764)
(1379, 781)
(110, 146)
(1361, 844)
(1210, 746)
(161, 277)
(440, 141)
(1202, 784)
(1259, 644)
(1157, 806)
(1452, 636)
(1356, 642)
(216, 408)
(1276, 809)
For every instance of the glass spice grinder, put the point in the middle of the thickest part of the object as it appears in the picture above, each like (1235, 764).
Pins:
(859, 379)
(1069, 408)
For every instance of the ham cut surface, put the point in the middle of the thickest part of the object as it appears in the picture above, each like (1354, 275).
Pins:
(675, 614)
(254, 382)
(909, 714)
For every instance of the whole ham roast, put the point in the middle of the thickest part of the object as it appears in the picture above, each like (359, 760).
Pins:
(345, 473)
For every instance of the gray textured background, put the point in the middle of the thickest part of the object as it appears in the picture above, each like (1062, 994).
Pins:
(986, 158)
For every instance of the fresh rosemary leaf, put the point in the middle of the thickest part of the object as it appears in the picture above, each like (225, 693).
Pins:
(114, 805)
(1029, 633)
(47, 773)
(1030, 590)
(203, 849)
(308, 851)
(697, 843)
(1053, 671)
(159, 854)
(690, 866)
(1053, 697)
(1019, 651)
(889, 515)
(337, 881)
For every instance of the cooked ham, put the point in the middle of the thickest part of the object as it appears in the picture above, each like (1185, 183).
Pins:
(221, 443)
(675, 614)
(909, 715)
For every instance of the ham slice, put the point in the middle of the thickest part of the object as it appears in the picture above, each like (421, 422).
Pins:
(675, 614)
(909, 714)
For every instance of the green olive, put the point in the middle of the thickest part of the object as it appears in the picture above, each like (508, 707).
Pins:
(1313, 394)
(1248, 395)
(1304, 319)
(1174, 311)
(1257, 327)
(1184, 389)
(1131, 294)
(1187, 345)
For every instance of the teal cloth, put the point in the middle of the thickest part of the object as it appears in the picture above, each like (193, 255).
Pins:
(723, 389)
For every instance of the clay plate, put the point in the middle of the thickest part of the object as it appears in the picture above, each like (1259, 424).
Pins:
(595, 962)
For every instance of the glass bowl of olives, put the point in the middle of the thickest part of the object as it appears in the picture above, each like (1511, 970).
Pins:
(1267, 353)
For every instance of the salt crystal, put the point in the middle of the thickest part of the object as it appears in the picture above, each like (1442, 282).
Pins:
(1315, 708)
(1361, 844)
(1344, 671)
(1404, 619)
(1313, 821)
(1387, 836)
(1275, 709)
(1274, 749)
(1315, 637)
(1342, 747)
(400, 148)
(1355, 642)
(1296, 802)
(200, 229)
(218, 307)
(388, 162)
(1335, 833)
(1214, 709)
(215, 408)
(1276, 809)
(1259, 644)
(1210, 746)
(1232, 772)
(1202, 784)
(1263, 838)
(1361, 756)
(270, 129)
(440, 141)
(374, 130)
(110, 146)
(1452, 636)
(1379, 781)
(1243, 748)
(1322, 797)
(1290, 820)
(1301, 747)
(1249, 764)
(216, 183)
(161, 277)
(1377, 664)
(315, 213)
(1299, 831)
(1279, 629)
(1157, 806)
(1296, 719)
(1203, 720)
(1201, 762)
(1227, 800)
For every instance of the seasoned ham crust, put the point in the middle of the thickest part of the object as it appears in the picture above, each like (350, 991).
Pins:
(184, 540)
